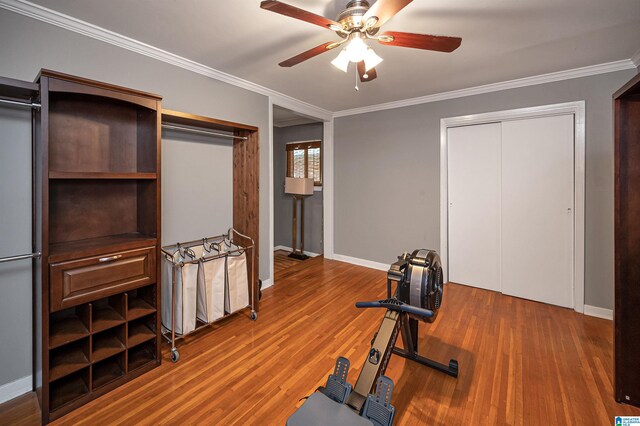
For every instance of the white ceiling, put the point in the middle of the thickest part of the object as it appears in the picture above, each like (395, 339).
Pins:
(283, 117)
(501, 40)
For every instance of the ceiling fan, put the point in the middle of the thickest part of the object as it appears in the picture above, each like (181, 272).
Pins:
(356, 24)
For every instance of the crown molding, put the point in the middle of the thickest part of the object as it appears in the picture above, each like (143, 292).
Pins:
(636, 58)
(624, 64)
(61, 20)
(70, 23)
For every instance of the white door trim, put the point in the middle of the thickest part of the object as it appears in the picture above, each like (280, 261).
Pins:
(578, 110)
(327, 180)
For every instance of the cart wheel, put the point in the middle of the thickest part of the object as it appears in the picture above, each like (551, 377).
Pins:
(254, 315)
(175, 355)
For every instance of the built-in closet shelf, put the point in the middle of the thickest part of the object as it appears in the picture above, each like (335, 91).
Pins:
(139, 333)
(107, 371)
(140, 356)
(100, 175)
(105, 317)
(65, 362)
(59, 252)
(105, 345)
(69, 389)
(18, 90)
(138, 307)
(66, 330)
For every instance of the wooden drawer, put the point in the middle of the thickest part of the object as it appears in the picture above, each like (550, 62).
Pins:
(83, 280)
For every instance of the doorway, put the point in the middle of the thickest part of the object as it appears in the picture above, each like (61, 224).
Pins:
(513, 202)
(297, 153)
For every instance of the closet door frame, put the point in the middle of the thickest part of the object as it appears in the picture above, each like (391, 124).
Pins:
(577, 109)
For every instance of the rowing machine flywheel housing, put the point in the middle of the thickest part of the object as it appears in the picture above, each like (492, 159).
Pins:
(422, 284)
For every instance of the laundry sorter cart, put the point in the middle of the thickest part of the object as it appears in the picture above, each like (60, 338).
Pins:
(204, 281)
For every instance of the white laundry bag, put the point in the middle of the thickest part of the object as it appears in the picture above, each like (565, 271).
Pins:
(237, 294)
(186, 289)
(210, 306)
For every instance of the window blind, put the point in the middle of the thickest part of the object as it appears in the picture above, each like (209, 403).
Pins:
(304, 159)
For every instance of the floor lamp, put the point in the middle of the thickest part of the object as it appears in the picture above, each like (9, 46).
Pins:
(299, 188)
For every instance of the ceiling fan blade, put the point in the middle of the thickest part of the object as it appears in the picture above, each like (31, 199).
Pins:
(297, 13)
(421, 41)
(370, 75)
(309, 54)
(384, 10)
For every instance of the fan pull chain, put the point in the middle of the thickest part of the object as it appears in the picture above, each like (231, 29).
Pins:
(357, 88)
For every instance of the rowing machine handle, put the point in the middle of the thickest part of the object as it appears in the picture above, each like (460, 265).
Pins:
(396, 306)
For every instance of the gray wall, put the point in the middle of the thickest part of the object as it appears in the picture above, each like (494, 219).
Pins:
(197, 186)
(283, 206)
(15, 238)
(387, 174)
(28, 45)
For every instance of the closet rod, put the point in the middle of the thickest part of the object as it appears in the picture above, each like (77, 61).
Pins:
(203, 132)
(20, 257)
(27, 104)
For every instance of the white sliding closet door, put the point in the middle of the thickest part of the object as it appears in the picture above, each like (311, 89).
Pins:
(537, 209)
(474, 205)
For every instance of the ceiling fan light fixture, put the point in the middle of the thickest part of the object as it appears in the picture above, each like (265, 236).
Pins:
(357, 48)
(342, 60)
(371, 59)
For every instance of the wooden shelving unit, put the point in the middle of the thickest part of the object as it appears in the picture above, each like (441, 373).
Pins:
(246, 177)
(140, 303)
(108, 371)
(67, 327)
(627, 237)
(100, 175)
(97, 222)
(140, 332)
(68, 359)
(97, 226)
(101, 345)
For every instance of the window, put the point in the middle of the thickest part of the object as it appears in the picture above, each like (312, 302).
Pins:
(304, 159)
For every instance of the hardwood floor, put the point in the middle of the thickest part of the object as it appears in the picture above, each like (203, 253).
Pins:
(521, 362)
(282, 261)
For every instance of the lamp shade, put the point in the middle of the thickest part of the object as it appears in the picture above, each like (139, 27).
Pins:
(298, 186)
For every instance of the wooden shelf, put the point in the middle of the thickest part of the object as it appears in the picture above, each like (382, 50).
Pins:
(66, 361)
(106, 345)
(138, 307)
(105, 317)
(139, 333)
(140, 356)
(59, 252)
(106, 372)
(67, 390)
(66, 330)
(18, 90)
(100, 175)
(192, 120)
(99, 157)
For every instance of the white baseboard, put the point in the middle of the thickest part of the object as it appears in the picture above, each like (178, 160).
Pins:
(308, 253)
(361, 262)
(16, 388)
(594, 311)
(267, 283)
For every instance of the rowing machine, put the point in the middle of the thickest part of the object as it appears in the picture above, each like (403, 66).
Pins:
(417, 297)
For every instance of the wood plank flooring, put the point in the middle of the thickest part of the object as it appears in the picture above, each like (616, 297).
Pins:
(521, 362)
(282, 261)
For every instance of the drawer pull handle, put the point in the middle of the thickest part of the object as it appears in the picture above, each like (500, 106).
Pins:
(110, 258)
